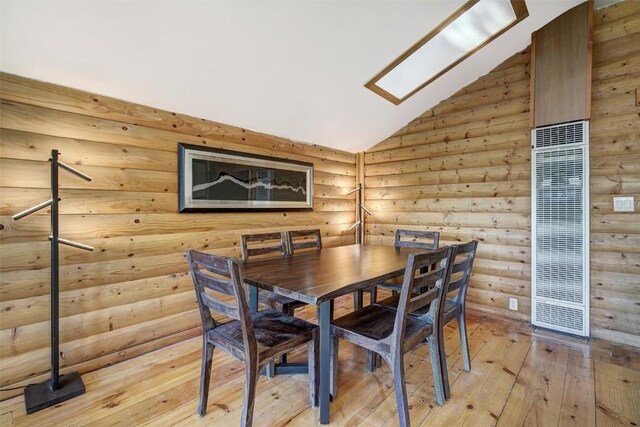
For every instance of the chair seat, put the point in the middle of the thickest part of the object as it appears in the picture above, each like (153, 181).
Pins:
(451, 308)
(272, 330)
(375, 322)
(391, 286)
(278, 302)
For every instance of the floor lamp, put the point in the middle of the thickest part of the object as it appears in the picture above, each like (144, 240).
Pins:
(359, 215)
(358, 225)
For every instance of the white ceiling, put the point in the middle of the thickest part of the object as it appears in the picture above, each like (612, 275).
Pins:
(289, 68)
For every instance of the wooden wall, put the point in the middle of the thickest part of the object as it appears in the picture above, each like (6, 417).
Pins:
(615, 170)
(463, 168)
(132, 294)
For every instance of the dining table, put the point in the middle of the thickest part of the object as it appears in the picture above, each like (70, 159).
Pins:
(319, 276)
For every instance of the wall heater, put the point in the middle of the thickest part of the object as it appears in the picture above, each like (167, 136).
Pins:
(560, 227)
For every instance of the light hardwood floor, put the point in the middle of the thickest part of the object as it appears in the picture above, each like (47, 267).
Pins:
(520, 376)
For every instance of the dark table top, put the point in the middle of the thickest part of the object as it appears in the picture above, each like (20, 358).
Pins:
(320, 275)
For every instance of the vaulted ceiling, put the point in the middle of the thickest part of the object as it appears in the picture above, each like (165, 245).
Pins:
(290, 68)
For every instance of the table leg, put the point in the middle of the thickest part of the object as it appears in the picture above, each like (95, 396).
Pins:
(325, 359)
(253, 298)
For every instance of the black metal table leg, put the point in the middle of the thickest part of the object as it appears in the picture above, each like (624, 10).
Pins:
(324, 319)
(358, 297)
(253, 298)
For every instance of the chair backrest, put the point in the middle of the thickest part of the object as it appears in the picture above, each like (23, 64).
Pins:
(461, 269)
(428, 240)
(302, 239)
(430, 270)
(218, 284)
(264, 243)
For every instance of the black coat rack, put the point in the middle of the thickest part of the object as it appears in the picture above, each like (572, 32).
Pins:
(359, 215)
(65, 387)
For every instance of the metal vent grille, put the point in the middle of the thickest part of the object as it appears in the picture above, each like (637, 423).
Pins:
(560, 228)
(568, 319)
(557, 135)
(560, 221)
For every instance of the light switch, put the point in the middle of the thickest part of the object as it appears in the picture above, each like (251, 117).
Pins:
(623, 204)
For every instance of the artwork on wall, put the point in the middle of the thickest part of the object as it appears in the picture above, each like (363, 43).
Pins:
(220, 180)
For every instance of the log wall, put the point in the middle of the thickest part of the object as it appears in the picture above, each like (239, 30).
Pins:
(132, 294)
(463, 168)
(615, 170)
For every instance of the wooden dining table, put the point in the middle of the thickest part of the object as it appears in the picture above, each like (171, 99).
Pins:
(319, 276)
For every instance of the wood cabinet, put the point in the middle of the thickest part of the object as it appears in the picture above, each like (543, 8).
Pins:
(561, 68)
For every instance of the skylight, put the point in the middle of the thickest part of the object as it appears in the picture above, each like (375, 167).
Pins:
(471, 27)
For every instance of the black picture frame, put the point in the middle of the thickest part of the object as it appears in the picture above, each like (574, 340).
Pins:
(217, 180)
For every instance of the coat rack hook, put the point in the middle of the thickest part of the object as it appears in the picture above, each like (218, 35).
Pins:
(74, 171)
(74, 244)
(34, 209)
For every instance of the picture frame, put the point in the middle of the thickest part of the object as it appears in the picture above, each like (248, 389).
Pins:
(217, 180)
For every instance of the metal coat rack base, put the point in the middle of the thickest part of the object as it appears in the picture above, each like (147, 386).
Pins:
(40, 396)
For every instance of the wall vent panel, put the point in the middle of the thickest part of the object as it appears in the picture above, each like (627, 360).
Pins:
(560, 234)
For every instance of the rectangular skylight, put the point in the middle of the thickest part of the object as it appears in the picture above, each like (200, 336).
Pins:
(471, 27)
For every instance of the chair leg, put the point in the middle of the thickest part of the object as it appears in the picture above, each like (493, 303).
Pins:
(251, 372)
(374, 295)
(464, 341)
(374, 361)
(270, 369)
(397, 367)
(334, 367)
(313, 353)
(289, 311)
(205, 377)
(371, 361)
(436, 368)
(443, 364)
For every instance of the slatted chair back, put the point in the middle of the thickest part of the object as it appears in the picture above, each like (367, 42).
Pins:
(430, 271)
(461, 269)
(253, 245)
(428, 240)
(303, 239)
(218, 285)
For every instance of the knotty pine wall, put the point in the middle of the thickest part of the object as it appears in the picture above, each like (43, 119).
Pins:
(463, 168)
(132, 294)
(615, 170)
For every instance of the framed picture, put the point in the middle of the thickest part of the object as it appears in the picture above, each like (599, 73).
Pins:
(220, 180)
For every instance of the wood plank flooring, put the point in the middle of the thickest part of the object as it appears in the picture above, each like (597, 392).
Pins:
(519, 376)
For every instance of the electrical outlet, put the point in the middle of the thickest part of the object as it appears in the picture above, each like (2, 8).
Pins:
(513, 304)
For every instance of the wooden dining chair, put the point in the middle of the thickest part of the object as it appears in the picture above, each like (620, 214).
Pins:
(253, 245)
(416, 239)
(303, 239)
(392, 333)
(454, 307)
(253, 338)
(261, 244)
